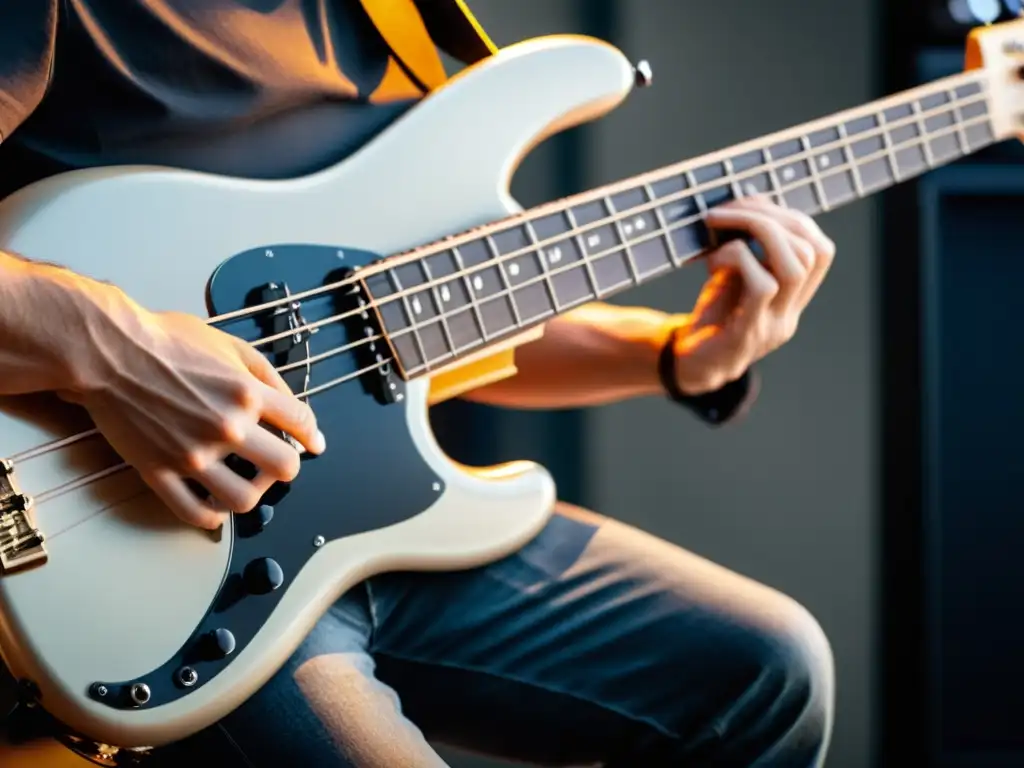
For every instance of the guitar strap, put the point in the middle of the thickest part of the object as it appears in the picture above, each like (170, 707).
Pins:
(416, 30)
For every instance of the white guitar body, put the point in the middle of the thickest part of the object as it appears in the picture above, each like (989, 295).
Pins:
(124, 584)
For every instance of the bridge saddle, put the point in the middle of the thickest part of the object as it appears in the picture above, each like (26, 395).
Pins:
(22, 545)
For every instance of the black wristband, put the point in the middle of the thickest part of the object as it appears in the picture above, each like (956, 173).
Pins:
(716, 407)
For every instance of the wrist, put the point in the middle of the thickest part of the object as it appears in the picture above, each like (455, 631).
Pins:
(713, 402)
(75, 337)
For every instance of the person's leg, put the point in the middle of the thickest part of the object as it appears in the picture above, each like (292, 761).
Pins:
(594, 644)
(324, 708)
(598, 643)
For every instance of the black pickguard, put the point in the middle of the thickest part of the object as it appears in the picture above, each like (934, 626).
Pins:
(371, 476)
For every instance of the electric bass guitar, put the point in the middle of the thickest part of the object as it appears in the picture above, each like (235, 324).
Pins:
(402, 276)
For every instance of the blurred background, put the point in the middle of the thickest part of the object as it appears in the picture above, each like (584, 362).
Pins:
(830, 490)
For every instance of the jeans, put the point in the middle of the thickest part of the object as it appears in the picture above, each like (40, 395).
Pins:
(596, 644)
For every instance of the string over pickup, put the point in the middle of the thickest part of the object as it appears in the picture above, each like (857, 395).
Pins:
(22, 545)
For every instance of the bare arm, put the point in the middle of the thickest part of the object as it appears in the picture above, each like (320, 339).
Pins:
(46, 314)
(602, 353)
(171, 394)
(594, 355)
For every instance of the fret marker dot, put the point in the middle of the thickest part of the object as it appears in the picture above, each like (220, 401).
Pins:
(675, 212)
(513, 269)
(555, 255)
(750, 189)
(627, 229)
(594, 240)
(788, 174)
(639, 223)
(478, 283)
(823, 161)
(417, 307)
(446, 294)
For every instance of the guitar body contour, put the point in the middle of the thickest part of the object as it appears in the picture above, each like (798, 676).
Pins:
(127, 596)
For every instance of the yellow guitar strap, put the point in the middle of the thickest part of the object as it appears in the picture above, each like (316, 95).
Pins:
(415, 30)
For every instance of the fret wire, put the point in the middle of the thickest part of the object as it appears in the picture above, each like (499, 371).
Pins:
(851, 165)
(844, 138)
(473, 302)
(500, 266)
(815, 178)
(887, 143)
(409, 313)
(676, 168)
(958, 122)
(435, 293)
(702, 205)
(773, 176)
(929, 159)
(542, 259)
(571, 218)
(667, 172)
(730, 174)
(617, 222)
(663, 226)
(660, 232)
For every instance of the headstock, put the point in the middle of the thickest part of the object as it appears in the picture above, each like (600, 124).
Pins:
(999, 49)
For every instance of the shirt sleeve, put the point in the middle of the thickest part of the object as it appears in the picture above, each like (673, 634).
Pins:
(28, 29)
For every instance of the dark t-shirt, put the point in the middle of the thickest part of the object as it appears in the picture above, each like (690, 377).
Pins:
(257, 88)
(253, 88)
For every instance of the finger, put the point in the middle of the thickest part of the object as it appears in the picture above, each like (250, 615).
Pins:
(260, 367)
(759, 286)
(796, 221)
(803, 226)
(293, 417)
(780, 256)
(274, 457)
(230, 489)
(173, 492)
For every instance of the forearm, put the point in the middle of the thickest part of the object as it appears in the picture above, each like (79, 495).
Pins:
(46, 319)
(597, 354)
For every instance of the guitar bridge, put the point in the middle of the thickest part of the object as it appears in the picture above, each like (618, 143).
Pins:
(22, 545)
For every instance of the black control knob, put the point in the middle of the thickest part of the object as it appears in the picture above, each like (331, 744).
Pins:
(262, 576)
(219, 644)
(264, 514)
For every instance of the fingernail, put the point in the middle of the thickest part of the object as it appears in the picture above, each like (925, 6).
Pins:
(319, 442)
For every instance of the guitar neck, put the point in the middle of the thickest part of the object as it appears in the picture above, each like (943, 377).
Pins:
(445, 302)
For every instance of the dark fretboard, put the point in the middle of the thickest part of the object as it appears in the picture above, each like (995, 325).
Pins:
(446, 301)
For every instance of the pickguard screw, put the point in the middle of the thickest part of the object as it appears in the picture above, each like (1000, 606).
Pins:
(436, 486)
(319, 541)
(101, 690)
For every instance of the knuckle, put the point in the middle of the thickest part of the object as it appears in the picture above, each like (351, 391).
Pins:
(288, 468)
(806, 254)
(243, 394)
(194, 461)
(226, 429)
(766, 288)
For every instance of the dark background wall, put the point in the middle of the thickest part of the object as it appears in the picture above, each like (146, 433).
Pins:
(789, 496)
